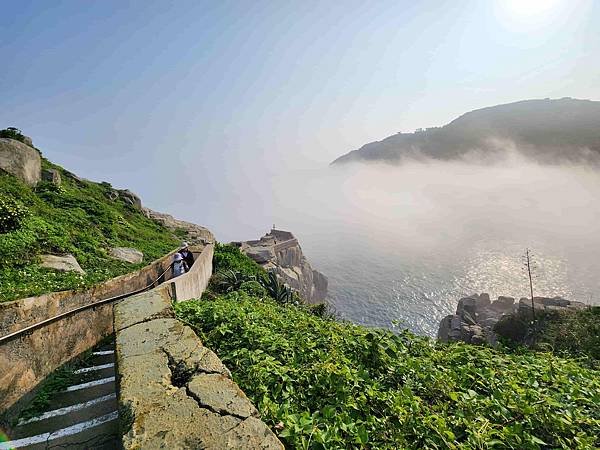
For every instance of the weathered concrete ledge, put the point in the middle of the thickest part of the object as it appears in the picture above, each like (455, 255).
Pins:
(173, 391)
(27, 360)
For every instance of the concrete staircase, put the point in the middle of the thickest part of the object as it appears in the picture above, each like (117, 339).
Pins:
(82, 416)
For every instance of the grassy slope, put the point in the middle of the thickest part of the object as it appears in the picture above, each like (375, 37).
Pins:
(326, 384)
(79, 219)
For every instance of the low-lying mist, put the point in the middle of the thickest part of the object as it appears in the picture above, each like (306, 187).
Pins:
(407, 242)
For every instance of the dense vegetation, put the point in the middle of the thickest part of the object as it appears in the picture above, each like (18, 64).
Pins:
(76, 217)
(322, 383)
(573, 333)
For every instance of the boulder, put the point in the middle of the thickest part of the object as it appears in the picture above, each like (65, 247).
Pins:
(65, 263)
(130, 198)
(52, 176)
(556, 301)
(27, 140)
(261, 254)
(20, 160)
(504, 304)
(130, 255)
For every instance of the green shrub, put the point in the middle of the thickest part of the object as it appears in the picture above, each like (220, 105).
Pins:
(571, 332)
(575, 333)
(325, 384)
(12, 133)
(229, 257)
(253, 288)
(12, 214)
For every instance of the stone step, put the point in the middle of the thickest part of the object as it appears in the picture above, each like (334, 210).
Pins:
(82, 395)
(58, 418)
(89, 434)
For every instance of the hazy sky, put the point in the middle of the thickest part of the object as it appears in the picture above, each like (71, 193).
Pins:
(198, 103)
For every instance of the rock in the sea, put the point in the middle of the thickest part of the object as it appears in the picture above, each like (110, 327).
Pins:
(52, 176)
(127, 254)
(20, 160)
(65, 263)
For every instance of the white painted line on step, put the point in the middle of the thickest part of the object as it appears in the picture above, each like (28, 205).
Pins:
(103, 352)
(73, 429)
(89, 384)
(91, 369)
(68, 409)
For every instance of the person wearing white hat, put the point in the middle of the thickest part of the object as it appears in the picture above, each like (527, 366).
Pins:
(179, 265)
(188, 256)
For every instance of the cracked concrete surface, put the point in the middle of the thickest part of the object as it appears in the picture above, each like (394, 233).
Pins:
(179, 393)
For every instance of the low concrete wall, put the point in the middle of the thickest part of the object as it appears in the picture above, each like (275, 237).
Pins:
(173, 391)
(27, 360)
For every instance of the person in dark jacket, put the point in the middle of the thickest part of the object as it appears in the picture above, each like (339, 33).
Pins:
(188, 256)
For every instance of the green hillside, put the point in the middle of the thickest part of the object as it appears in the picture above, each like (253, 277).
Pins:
(77, 217)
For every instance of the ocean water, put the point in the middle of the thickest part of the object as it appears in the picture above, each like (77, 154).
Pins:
(401, 245)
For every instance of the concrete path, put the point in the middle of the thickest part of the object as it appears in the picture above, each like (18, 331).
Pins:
(82, 416)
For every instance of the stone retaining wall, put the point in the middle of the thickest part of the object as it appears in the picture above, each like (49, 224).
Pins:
(173, 391)
(27, 360)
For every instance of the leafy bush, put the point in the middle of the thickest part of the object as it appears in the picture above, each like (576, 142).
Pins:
(229, 280)
(575, 333)
(325, 384)
(571, 332)
(278, 291)
(229, 257)
(12, 133)
(253, 288)
(12, 214)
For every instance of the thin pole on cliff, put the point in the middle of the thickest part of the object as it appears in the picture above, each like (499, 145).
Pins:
(528, 266)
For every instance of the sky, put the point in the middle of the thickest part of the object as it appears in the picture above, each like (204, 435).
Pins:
(196, 105)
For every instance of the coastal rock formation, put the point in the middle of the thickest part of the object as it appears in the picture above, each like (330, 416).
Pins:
(194, 234)
(20, 160)
(130, 255)
(476, 316)
(280, 252)
(65, 263)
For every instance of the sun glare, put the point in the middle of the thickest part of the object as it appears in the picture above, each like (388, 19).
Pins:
(530, 8)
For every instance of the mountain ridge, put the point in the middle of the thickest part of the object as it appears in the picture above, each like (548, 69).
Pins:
(545, 130)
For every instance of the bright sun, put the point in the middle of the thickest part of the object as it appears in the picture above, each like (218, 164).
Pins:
(530, 8)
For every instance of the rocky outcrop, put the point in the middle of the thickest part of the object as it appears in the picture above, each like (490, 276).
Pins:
(280, 252)
(64, 263)
(20, 160)
(130, 198)
(476, 316)
(193, 234)
(52, 176)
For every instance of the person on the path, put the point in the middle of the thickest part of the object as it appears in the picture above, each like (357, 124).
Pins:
(188, 256)
(179, 265)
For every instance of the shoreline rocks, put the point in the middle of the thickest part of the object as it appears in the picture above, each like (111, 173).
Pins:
(476, 316)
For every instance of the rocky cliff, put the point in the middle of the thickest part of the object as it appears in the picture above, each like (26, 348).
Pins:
(279, 251)
(476, 316)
